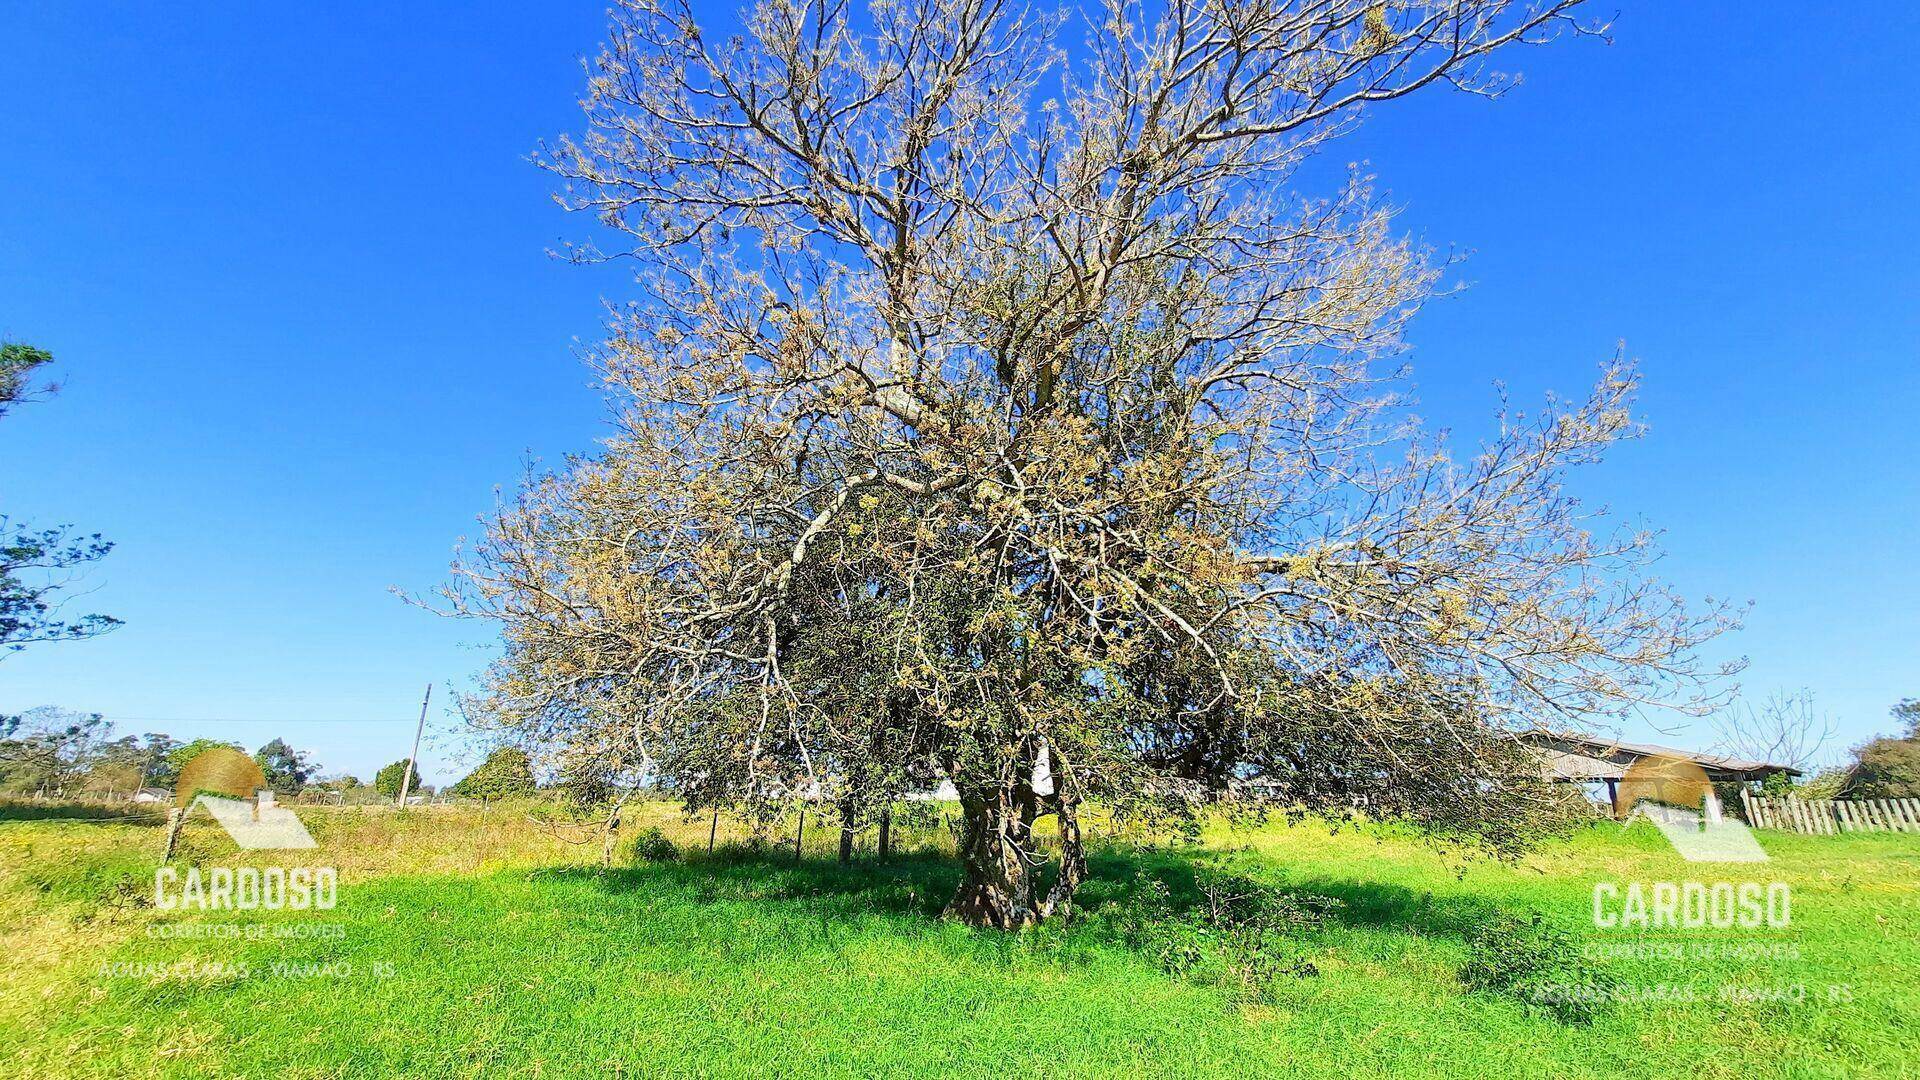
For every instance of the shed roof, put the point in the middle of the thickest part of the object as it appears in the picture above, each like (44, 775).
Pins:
(1573, 756)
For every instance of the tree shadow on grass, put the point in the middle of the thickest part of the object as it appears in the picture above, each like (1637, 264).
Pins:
(915, 884)
(1249, 930)
(918, 884)
(1118, 876)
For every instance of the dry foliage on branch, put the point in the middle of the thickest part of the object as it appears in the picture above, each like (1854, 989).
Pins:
(997, 413)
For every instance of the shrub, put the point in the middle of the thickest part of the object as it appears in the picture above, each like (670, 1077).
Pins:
(652, 845)
(1885, 769)
(1538, 965)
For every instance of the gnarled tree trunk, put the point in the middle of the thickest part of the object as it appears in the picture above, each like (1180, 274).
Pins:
(1073, 854)
(997, 889)
(1001, 885)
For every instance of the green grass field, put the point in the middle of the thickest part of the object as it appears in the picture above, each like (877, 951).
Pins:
(470, 944)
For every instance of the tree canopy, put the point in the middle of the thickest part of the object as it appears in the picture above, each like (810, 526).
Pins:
(287, 770)
(997, 413)
(506, 773)
(388, 780)
(50, 748)
(18, 364)
(181, 754)
(55, 749)
(38, 564)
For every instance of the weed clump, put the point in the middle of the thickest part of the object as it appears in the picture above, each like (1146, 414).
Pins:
(1235, 931)
(1537, 964)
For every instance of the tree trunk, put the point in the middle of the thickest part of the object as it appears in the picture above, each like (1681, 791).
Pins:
(885, 842)
(609, 838)
(846, 831)
(1001, 860)
(997, 889)
(1073, 860)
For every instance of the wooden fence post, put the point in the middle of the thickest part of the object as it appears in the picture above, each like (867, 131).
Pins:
(175, 818)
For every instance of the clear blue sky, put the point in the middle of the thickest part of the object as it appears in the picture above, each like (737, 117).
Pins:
(292, 262)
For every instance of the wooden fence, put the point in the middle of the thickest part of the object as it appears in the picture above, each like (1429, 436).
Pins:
(1830, 816)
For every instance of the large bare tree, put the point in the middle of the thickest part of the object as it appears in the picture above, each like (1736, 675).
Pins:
(996, 412)
(1785, 729)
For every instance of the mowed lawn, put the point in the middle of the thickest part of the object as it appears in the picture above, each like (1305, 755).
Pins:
(470, 944)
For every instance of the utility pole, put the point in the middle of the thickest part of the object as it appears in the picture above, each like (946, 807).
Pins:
(406, 782)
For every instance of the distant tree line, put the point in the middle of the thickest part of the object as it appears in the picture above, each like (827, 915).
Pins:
(61, 751)
(71, 754)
